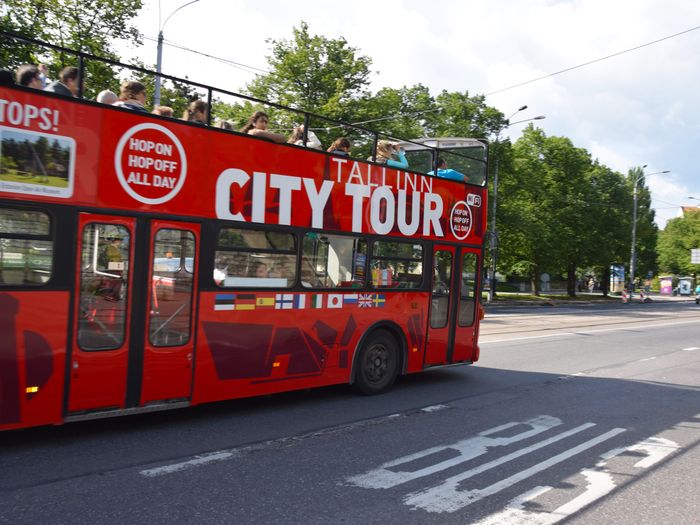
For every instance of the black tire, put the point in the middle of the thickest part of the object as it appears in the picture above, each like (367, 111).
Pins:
(377, 364)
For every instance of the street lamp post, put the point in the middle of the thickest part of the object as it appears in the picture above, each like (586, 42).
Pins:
(494, 206)
(159, 56)
(633, 249)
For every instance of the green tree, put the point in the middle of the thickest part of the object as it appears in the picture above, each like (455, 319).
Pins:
(680, 235)
(313, 73)
(90, 26)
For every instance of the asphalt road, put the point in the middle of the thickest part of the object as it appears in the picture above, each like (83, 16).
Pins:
(585, 414)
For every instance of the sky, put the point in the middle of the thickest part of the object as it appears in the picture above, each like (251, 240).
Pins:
(632, 109)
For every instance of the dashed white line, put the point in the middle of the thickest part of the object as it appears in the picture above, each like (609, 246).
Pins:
(434, 408)
(197, 462)
(691, 349)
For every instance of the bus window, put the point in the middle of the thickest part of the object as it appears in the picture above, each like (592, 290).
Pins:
(26, 249)
(467, 289)
(442, 277)
(397, 265)
(103, 281)
(173, 264)
(333, 261)
(255, 259)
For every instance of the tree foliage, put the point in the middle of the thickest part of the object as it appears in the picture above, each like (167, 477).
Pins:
(90, 26)
(680, 235)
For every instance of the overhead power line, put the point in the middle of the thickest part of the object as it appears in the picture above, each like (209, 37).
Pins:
(593, 61)
(237, 65)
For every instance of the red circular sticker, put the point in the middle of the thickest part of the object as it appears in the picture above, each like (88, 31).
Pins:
(461, 220)
(150, 163)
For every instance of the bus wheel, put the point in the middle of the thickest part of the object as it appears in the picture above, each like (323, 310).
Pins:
(377, 364)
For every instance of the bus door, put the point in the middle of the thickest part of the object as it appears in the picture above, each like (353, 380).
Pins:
(441, 322)
(99, 355)
(169, 332)
(466, 294)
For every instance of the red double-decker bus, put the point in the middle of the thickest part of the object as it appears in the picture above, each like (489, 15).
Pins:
(148, 263)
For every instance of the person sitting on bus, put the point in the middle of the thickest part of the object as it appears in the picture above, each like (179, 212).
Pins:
(224, 124)
(298, 138)
(132, 95)
(257, 125)
(391, 154)
(28, 76)
(341, 146)
(196, 112)
(106, 97)
(67, 83)
(447, 173)
(163, 111)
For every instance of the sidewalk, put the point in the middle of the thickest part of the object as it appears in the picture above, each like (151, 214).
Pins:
(505, 299)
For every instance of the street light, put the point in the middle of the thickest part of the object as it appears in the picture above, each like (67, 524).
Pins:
(633, 249)
(156, 93)
(494, 233)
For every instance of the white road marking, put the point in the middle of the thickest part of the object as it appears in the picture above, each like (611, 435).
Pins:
(647, 359)
(434, 408)
(197, 462)
(691, 348)
(599, 483)
(448, 498)
(565, 332)
(388, 475)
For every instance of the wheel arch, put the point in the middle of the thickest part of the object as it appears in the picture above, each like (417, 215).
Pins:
(395, 331)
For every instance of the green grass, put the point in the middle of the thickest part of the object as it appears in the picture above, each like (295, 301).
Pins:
(15, 176)
(505, 297)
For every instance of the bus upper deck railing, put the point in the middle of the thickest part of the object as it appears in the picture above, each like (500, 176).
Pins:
(472, 159)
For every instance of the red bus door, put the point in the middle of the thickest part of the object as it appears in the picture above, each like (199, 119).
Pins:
(440, 322)
(466, 294)
(133, 333)
(99, 355)
(169, 332)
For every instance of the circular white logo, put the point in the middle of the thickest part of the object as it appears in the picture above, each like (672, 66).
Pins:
(150, 163)
(461, 220)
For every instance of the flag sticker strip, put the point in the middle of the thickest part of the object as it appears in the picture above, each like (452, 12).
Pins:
(224, 301)
(291, 301)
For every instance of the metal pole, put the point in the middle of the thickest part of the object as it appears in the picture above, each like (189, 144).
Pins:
(494, 234)
(633, 252)
(159, 61)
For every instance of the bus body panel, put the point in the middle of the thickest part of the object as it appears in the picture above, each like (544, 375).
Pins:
(32, 357)
(243, 353)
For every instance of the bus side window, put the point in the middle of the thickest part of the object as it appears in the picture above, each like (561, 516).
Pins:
(26, 258)
(467, 289)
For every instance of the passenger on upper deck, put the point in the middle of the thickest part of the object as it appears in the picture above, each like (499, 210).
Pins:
(67, 83)
(28, 75)
(132, 95)
(197, 112)
(298, 138)
(447, 173)
(163, 111)
(387, 152)
(257, 125)
(341, 146)
(223, 124)
(106, 97)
